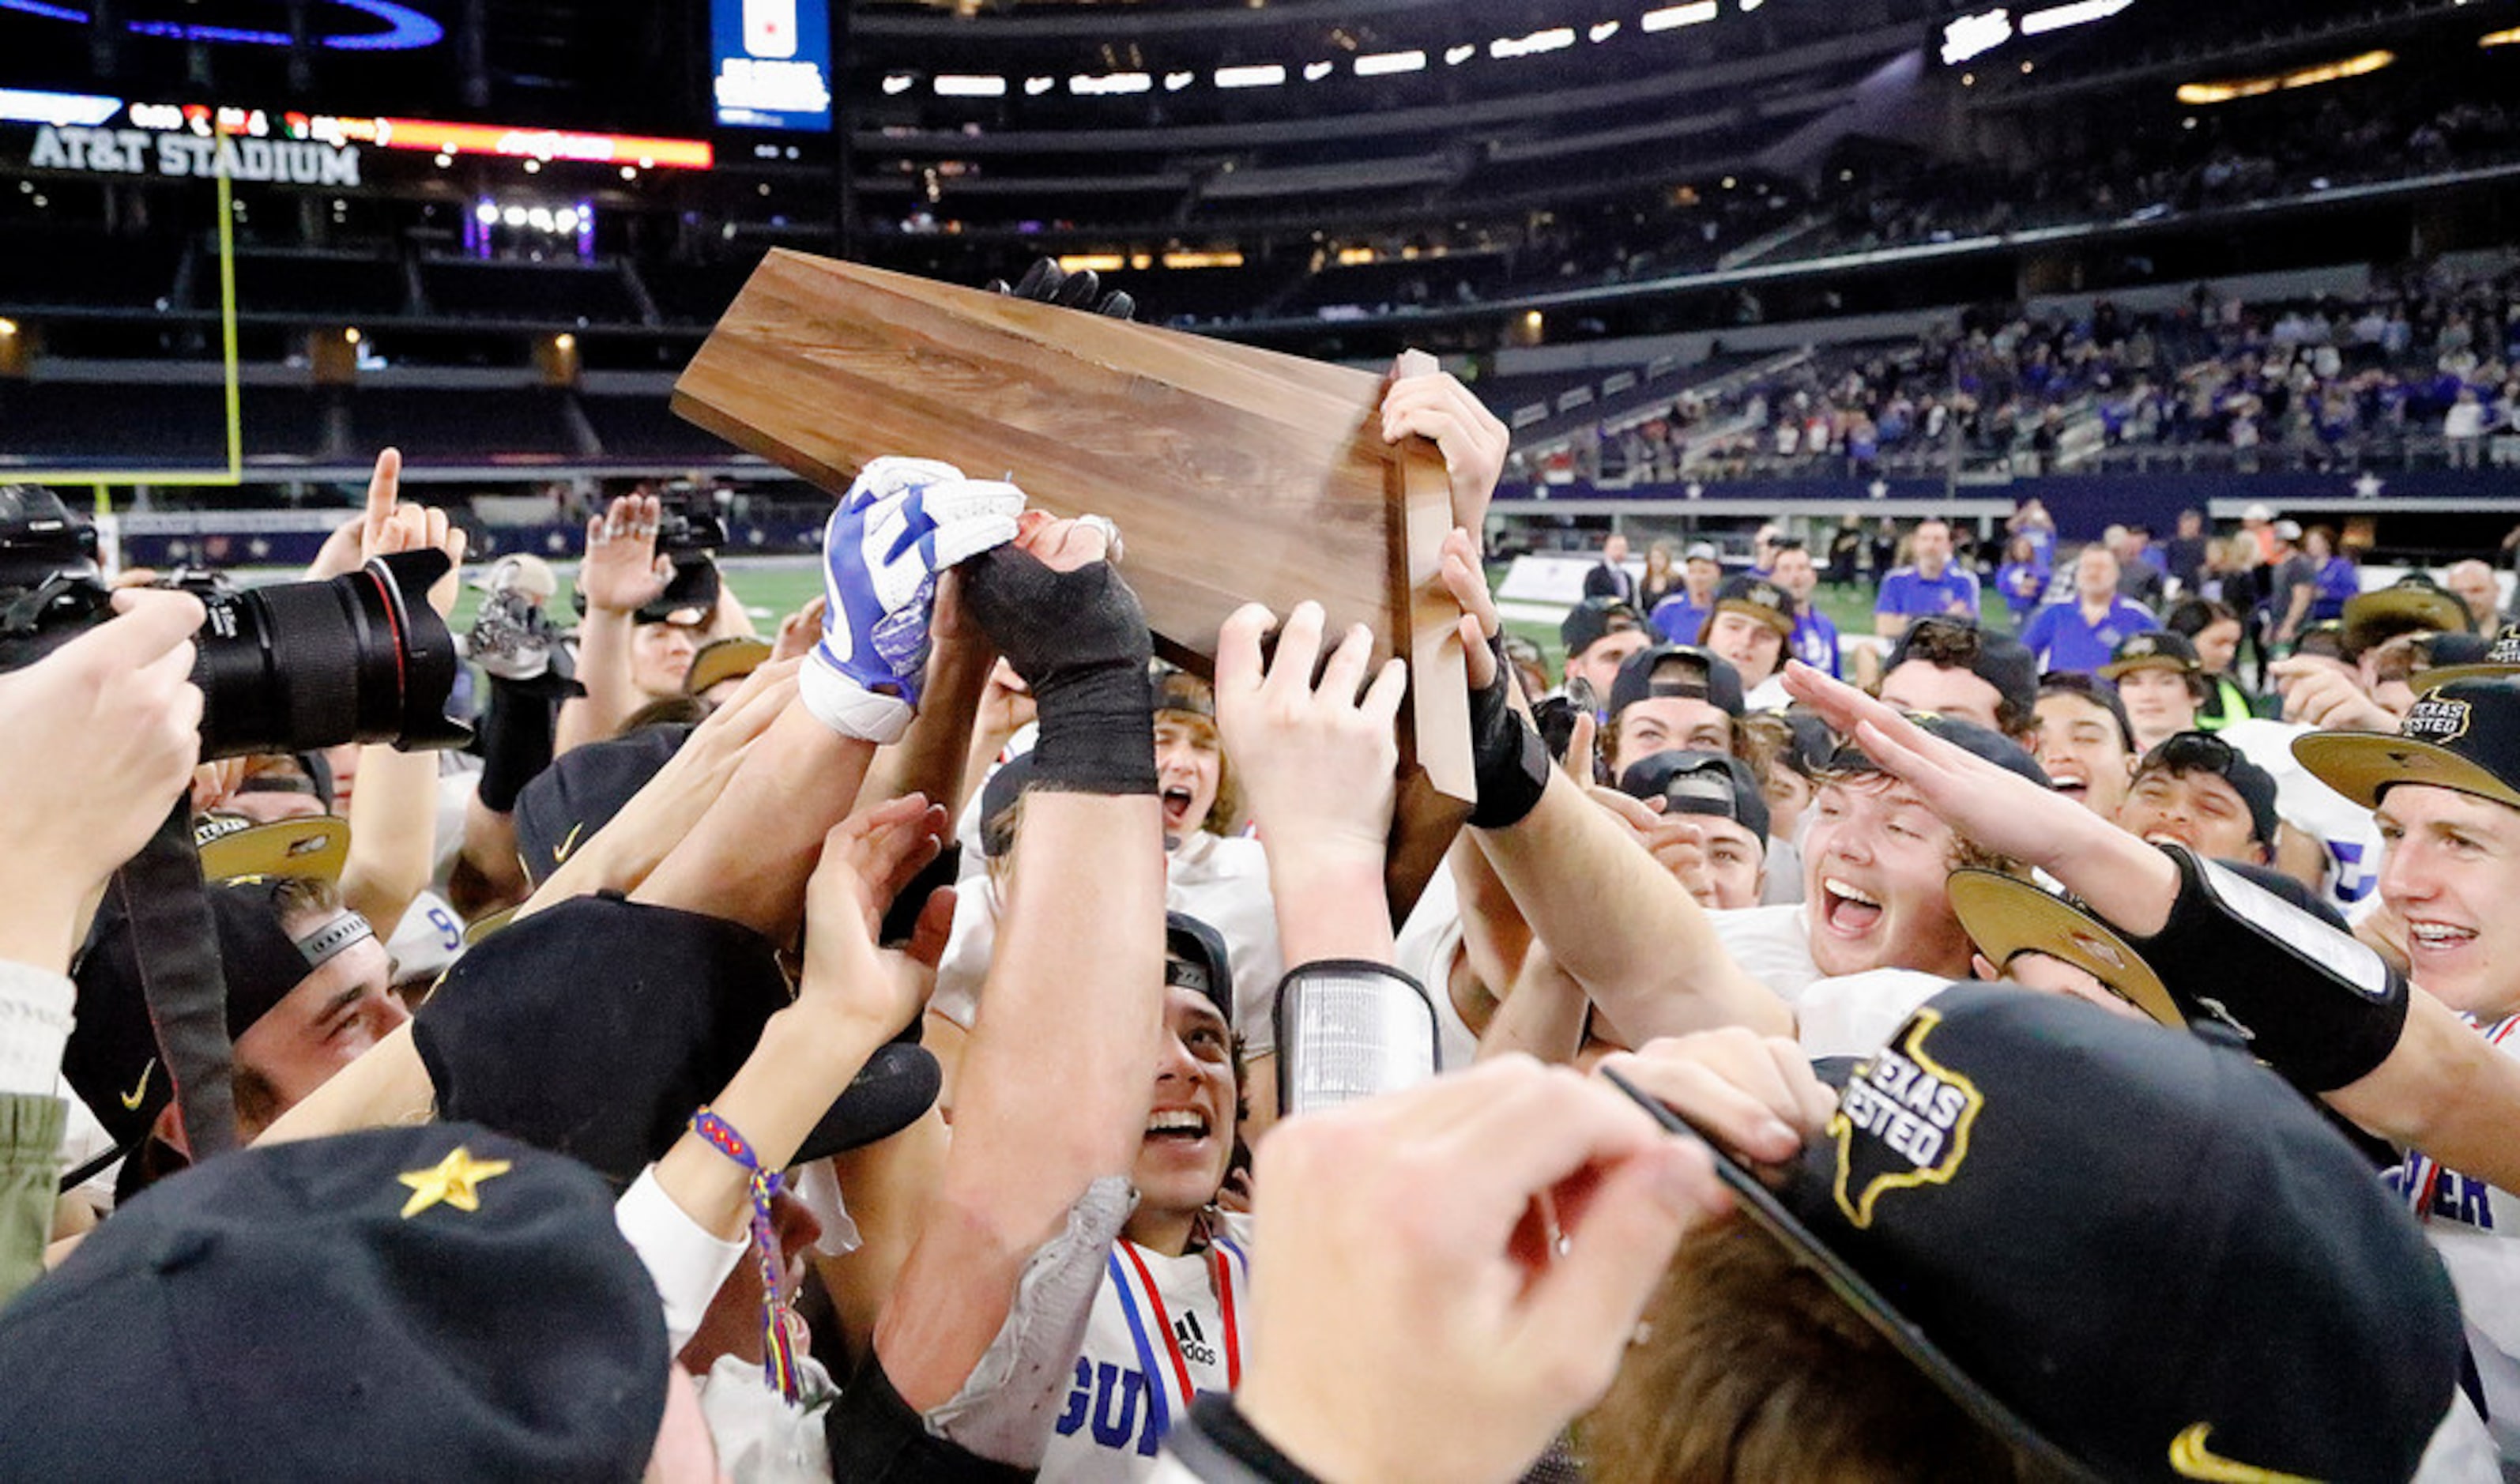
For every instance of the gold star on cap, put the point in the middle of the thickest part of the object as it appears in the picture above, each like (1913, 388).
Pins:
(451, 1179)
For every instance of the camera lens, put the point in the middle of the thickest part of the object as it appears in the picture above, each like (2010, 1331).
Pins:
(360, 659)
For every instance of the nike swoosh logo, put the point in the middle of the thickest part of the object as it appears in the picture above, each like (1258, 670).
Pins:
(2190, 1458)
(560, 852)
(131, 1098)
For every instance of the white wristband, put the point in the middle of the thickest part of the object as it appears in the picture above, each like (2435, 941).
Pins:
(34, 1027)
(849, 708)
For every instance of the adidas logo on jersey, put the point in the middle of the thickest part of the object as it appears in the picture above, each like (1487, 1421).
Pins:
(1193, 1343)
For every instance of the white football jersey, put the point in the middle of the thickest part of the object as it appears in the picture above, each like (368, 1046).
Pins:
(1163, 1331)
(2470, 1224)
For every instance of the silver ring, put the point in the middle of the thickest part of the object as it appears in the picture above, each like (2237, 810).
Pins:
(1116, 548)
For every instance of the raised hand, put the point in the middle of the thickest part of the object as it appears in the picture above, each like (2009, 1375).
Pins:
(1472, 440)
(902, 523)
(623, 573)
(1318, 763)
(389, 527)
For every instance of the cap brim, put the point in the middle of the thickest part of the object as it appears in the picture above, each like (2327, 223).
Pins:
(2007, 917)
(2361, 764)
(1781, 624)
(895, 1087)
(724, 661)
(482, 926)
(1773, 1216)
(2441, 675)
(310, 849)
(2117, 667)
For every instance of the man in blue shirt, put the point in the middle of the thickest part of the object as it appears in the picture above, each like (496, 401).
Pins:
(1814, 639)
(1681, 618)
(2082, 633)
(1931, 585)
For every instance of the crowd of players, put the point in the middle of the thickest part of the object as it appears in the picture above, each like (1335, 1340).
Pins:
(851, 1054)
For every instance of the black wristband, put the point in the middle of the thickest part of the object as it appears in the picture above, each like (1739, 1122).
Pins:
(2315, 1004)
(516, 738)
(1507, 756)
(1214, 1441)
(1079, 640)
(1097, 730)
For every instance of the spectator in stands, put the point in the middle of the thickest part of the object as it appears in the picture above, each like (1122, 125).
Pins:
(1763, 550)
(2030, 518)
(1611, 577)
(2022, 581)
(2083, 632)
(2214, 628)
(2292, 587)
(1814, 639)
(1680, 617)
(1929, 585)
(2160, 683)
(2463, 428)
(2473, 582)
(1660, 581)
(1598, 635)
(2141, 576)
(2184, 555)
(1847, 551)
(2339, 572)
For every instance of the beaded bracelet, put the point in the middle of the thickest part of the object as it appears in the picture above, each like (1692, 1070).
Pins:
(778, 1350)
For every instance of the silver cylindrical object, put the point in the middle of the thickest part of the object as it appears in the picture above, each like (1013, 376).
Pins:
(1350, 1029)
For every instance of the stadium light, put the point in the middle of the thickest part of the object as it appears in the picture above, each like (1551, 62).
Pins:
(1034, 87)
(1268, 75)
(897, 85)
(970, 85)
(1314, 71)
(2361, 65)
(1670, 16)
(61, 110)
(2501, 38)
(1387, 64)
(2057, 17)
(1601, 31)
(486, 213)
(1555, 39)
(1109, 84)
(513, 216)
(1455, 56)
(1174, 83)
(1975, 36)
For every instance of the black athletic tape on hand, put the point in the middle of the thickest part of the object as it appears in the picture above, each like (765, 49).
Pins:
(2315, 1004)
(1079, 640)
(1508, 757)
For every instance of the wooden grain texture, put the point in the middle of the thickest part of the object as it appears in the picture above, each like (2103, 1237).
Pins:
(1234, 474)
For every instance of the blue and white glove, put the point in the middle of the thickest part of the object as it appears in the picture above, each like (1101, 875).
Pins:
(901, 524)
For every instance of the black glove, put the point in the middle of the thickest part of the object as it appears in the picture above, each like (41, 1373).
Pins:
(1079, 640)
(1046, 283)
(1509, 759)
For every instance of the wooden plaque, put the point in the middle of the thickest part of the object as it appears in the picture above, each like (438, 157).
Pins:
(1234, 474)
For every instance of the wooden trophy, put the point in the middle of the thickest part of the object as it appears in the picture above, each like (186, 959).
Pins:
(1234, 474)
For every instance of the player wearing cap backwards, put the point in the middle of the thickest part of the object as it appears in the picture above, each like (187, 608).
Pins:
(2085, 744)
(1598, 635)
(1671, 697)
(2199, 790)
(1952, 667)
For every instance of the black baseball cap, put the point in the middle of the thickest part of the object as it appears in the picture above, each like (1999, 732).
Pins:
(690, 595)
(2500, 659)
(2000, 660)
(1756, 598)
(2410, 605)
(2127, 1249)
(598, 1026)
(1808, 741)
(998, 798)
(567, 802)
(2463, 735)
(1196, 957)
(1967, 735)
(2153, 649)
(1178, 690)
(2007, 917)
(1715, 681)
(435, 1299)
(1592, 621)
(2186, 752)
(1700, 783)
(111, 1058)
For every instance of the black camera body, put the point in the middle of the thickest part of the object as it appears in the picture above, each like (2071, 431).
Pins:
(284, 668)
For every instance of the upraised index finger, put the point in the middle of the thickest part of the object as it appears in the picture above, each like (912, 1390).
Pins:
(385, 487)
